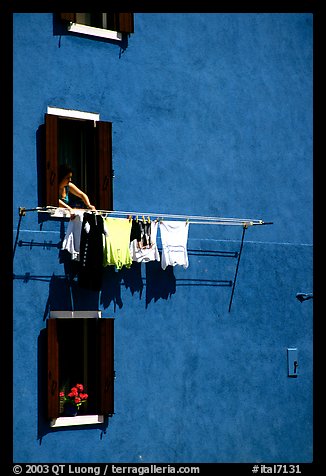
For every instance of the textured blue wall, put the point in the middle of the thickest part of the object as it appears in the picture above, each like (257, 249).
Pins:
(212, 115)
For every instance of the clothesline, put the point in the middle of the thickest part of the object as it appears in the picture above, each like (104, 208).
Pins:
(193, 219)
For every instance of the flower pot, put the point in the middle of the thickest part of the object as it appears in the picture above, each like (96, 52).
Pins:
(70, 410)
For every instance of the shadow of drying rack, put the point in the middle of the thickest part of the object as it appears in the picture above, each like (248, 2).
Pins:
(46, 245)
(180, 282)
(224, 254)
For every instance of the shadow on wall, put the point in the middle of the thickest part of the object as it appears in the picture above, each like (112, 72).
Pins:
(65, 293)
(159, 284)
(43, 424)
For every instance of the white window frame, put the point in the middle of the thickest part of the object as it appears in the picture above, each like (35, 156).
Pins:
(73, 114)
(93, 31)
(77, 420)
(80, 314)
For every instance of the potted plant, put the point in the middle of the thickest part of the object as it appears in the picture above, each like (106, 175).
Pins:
(74, 399)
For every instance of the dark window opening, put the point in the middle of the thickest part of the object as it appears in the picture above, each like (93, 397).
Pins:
(76, 141)
(81, 351)
(78, 360)
(87, 147)
(97, 20)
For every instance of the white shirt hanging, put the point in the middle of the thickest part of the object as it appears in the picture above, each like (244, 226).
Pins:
(71, 241)
(174, 236)
(149, 252)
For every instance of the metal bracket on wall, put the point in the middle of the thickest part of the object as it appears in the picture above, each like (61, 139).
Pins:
(245, 226)
(22, 213)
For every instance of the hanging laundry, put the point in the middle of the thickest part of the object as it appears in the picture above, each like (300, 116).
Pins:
(145, 233)
(116, 242)
(140, 251)
(71, 241)
(141, 231)
(174, 236)
(91, 252)
(135, 233)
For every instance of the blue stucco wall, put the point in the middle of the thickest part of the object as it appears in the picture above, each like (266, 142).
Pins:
(212, 115)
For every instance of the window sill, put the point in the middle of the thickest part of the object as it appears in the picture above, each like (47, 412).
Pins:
(78, 314)
(92, 31)
(77, 420)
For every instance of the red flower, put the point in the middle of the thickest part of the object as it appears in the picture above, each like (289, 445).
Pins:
(76, 395)
(74, 390)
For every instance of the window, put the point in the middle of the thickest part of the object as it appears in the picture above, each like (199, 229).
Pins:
(85, 143)
(105, 25)
(81, 350)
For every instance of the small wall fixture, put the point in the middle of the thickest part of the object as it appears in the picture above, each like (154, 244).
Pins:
(304, 296)
(293, 362)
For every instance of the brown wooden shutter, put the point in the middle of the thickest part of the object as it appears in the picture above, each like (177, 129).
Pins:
(51, 158)
(123, 22)
(68, 17)
(126, 22)
(104, 186)
(53, 369)
(106, 366)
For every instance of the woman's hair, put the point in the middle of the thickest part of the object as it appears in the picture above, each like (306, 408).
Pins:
(63, 171)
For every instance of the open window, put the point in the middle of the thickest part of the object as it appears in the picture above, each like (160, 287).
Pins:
(104, 25)
(86, 145)
(80, 350)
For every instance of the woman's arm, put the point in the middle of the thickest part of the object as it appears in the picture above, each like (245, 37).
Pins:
(63, 204)
(79, 193)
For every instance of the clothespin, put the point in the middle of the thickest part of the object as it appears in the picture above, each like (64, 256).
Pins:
(148, 219)
(187, 221)
(144, 221)
(129, 218)
(137, 218)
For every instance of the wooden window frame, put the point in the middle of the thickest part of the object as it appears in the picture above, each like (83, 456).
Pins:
(102, 153)
(105, 369)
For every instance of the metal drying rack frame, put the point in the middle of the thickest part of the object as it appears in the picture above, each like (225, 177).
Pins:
(60, 212)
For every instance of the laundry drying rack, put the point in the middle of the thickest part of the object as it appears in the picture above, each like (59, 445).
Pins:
(245, 223)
